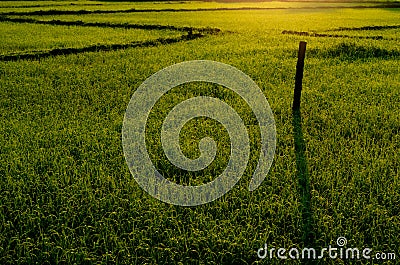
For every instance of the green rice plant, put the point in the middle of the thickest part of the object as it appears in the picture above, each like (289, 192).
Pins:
(67, 195)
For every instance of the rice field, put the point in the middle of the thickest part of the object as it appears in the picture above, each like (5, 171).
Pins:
(67, 195)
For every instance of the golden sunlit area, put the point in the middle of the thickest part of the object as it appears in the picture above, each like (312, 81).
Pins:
(104, 161)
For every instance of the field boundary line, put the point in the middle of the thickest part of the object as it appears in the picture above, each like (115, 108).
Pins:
(207, 30)
(367, 28)
(96, 48)
(321, 35)
(134, 10)
(67, 4)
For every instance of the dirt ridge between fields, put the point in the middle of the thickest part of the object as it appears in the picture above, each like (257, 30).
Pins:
(133, 10)
(96, 48)
(367, 28)
(207, 30)
(323, 35)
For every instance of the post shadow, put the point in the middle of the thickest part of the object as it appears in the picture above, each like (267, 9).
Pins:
(302, 173)
(308, 234)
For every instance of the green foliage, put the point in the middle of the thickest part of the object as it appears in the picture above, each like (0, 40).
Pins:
(67, 196)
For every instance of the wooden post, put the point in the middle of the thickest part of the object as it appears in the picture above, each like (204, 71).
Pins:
(299, 75)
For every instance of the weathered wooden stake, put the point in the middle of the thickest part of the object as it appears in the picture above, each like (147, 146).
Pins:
(299, 75)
